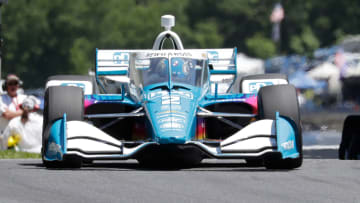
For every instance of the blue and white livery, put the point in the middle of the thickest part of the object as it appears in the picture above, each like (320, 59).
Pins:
(171, 105)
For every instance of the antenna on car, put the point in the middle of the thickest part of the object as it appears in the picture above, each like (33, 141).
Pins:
(168, 21)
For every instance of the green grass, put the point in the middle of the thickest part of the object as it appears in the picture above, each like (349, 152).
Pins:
(12, 154)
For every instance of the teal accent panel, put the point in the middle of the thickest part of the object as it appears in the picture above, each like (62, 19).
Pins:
(56, 146)
(286, 137)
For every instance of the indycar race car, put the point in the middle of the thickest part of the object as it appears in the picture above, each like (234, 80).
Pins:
(170, 105)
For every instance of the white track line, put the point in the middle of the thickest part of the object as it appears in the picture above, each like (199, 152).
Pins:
(321, 147)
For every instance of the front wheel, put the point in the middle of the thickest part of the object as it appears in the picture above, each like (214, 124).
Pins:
(58, 101)
(282, 99)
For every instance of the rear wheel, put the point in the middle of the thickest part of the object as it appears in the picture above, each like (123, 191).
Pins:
(60, 100)
(282, 99)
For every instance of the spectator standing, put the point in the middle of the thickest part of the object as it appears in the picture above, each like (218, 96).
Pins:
(24, 132)
(10, 101)
(20, 127)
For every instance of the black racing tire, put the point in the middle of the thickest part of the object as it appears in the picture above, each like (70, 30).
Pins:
(282, 99)
(88, 78)
(60, 100)
(349, 148)
(261, 77)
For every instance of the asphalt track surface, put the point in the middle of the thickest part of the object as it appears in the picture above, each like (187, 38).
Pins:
(320, 179)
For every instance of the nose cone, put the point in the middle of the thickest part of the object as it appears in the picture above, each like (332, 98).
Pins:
(172, 116)
(173, 128)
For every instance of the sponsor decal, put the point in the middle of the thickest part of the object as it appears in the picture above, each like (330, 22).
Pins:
(213, 56)
(171, 122)
(73, 84)
(187, 95)
(173, 99)
(142, 64)
(288, 145)
(171, 126)
(171, 113)
(172, 119)
(168, 54)
(54, 149)
(120, 58)
(153, 95)
(255, 86)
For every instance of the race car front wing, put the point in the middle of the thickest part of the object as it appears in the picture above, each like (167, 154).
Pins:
(255, 140)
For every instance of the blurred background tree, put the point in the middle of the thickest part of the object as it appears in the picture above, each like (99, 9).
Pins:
(43, 38)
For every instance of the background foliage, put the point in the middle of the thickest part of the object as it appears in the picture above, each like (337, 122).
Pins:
(43, 38)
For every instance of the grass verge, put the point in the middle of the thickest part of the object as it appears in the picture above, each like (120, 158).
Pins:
(12, 154)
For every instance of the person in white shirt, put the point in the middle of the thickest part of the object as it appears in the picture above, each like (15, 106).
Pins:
(18, 120)
(11, 101)
(24, 132)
